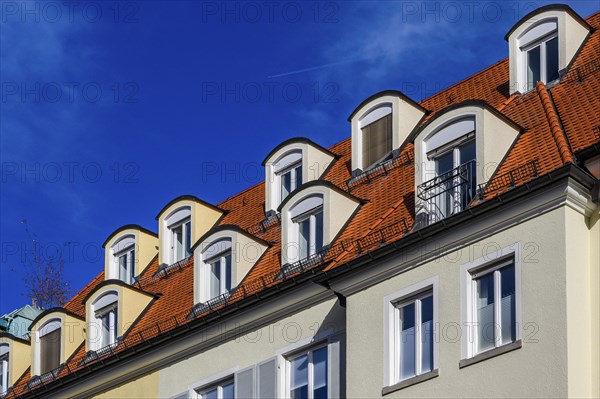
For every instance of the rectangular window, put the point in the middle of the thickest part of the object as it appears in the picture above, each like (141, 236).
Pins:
(310, 232)
(291, 179)
(222, 390)
(108, 321)
(181, 241)
(4, 376)
(308, 373)
(127, 265)
(542, 61)
(415, 336)
(221, 279)
(50, 351)
(377, 140)
(494, 306)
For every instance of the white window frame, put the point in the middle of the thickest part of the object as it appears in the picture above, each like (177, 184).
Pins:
(305, 351)
(469, 273)
(130, 252)
(221, 258)
(391, 314)
(111, 307)
(310, 215)
(541, 42)
(50, 325)
(181, 223)
(294, 184)
(5, 362)
(203, 385)
(218, 386)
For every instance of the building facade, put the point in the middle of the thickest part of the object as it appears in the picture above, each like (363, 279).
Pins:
(447, 248)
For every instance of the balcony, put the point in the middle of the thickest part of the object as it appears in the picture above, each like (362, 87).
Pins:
(447, 194)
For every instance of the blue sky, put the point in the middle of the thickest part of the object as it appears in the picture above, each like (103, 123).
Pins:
(111, 109)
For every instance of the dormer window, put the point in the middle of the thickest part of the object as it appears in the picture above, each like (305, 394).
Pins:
(128, 251)
(4, 371)
(290, 179)
(126, 261)
(540, 52)
(218, 258)
(376, 136)
(308, 220)
(181, 240)
(542, 44)
(105, 321)
(50, 346)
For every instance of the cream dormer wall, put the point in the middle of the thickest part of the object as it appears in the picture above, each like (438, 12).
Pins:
(572, 32)
(19, 356)
(72, 334)
(494, 136)
(246, 250)
(131, 302)
(145, 244)
(203, 217)
(338, 208)
(406, 115)
(314, 158)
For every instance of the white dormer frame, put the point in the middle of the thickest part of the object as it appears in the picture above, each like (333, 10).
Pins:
(50, 325)
(124, 246)
(180, 217)
(108, 302)
(406, 115)
(312, 159)
(336, 206)
(244, 250)
(537, 28)
(217, 251)
(5, 367)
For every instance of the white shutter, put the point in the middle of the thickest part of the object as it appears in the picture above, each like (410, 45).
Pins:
(244, 384)
(336, 367)
(267, 379)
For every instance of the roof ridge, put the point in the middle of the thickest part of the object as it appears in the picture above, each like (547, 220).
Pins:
(555, 126)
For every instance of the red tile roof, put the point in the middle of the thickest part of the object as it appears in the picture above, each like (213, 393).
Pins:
(558, 122)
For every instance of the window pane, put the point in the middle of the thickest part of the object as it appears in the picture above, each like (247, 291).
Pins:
(427, 334)
(286, 184)
(131, 266)
(188, 239)
(228, 272)
(533, 67)
(485, 312)
(377, 140)
(50, 351)
(178, 238)
(123, 267)
(319, 232)
(105, 320)
(303, 237)
(228, 391)
(507, 304)
(298, 176)
(212, 394)
(215, 275)
(552, 59)
(468, 189)
(3, 370)
(444, 200)
(299, 377)
(320, 373)
(407, 341)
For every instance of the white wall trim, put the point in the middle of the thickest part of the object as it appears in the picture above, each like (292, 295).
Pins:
(205, 382)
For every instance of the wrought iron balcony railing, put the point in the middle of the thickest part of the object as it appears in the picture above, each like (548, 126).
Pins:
(448, 193)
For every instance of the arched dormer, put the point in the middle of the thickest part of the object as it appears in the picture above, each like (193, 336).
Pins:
(543, 44)
(14, 360)
(311, 218)
(291, 164)
(180, 224)
(380, 126)
(55, 335)
(458, 149)
(111, 308)
(222, 258)
(128, 251)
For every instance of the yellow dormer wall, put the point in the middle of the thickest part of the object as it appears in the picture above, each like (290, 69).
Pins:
(131, 303)
(19, 357)
(71, 337)
(203, 218)
(146, 248)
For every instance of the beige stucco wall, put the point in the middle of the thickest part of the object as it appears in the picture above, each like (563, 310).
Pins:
(146, 248)
(203, 219)
(538, 369)
(72, 335)
(251, 347)
(141, 388)
(19, 358)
